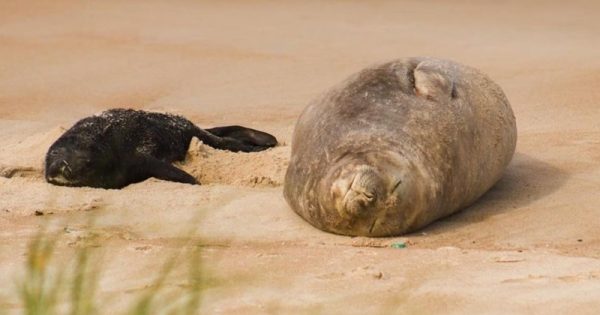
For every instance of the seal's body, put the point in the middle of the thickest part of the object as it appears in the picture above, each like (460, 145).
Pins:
(123, 146)
(398, 146)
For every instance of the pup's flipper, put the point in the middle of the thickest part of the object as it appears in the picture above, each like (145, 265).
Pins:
(165, 171)
(245, 135)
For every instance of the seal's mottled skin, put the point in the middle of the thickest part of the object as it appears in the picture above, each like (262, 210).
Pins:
(398, 146)
(123, 146)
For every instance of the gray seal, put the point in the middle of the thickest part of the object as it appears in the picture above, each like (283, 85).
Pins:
(123, 146)
(398, 146)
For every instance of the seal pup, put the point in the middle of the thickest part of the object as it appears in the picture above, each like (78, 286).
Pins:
(397, 146)
(123, 146)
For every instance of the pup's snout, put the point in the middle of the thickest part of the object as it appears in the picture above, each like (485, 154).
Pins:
(58, 168)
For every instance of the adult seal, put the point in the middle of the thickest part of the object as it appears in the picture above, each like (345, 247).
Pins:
(397, 146)
(123, 146)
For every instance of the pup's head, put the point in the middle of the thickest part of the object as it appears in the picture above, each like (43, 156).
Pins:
(68, 164)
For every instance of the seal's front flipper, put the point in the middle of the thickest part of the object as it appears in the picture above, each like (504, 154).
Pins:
(245, 135)
(166, 171)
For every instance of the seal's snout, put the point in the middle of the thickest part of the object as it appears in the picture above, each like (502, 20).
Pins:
(356, 191)
(56, 168)
(59, 172)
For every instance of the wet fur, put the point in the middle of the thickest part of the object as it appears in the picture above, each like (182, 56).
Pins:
(123, 146)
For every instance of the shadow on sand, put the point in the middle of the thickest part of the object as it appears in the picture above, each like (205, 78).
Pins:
(526, 180)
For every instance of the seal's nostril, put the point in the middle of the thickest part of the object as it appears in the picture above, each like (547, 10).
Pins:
(369, 196)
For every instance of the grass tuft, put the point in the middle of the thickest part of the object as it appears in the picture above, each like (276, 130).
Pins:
(52, 287)
(39, 290)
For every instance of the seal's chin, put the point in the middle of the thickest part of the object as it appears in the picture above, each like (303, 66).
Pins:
(60, 180)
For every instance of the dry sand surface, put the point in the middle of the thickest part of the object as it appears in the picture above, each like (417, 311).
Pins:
(530, 245)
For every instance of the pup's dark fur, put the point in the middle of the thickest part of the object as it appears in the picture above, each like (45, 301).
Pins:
(124, 146)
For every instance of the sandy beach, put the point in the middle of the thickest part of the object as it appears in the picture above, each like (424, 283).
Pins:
(531, 245)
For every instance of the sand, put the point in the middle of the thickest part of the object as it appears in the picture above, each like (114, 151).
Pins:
(530, 245)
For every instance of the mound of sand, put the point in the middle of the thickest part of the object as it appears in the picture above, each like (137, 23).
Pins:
(212, 166)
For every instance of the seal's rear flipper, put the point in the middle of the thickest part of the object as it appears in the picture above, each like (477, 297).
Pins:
(165, 171)
(432, 82)
(245, 135)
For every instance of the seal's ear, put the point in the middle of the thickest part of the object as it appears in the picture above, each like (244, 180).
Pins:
(432, 83)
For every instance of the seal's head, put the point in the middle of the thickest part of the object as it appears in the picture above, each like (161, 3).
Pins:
(69, 165)
(363, 187)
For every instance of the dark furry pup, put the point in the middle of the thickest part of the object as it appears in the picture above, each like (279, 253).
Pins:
(123, 146)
